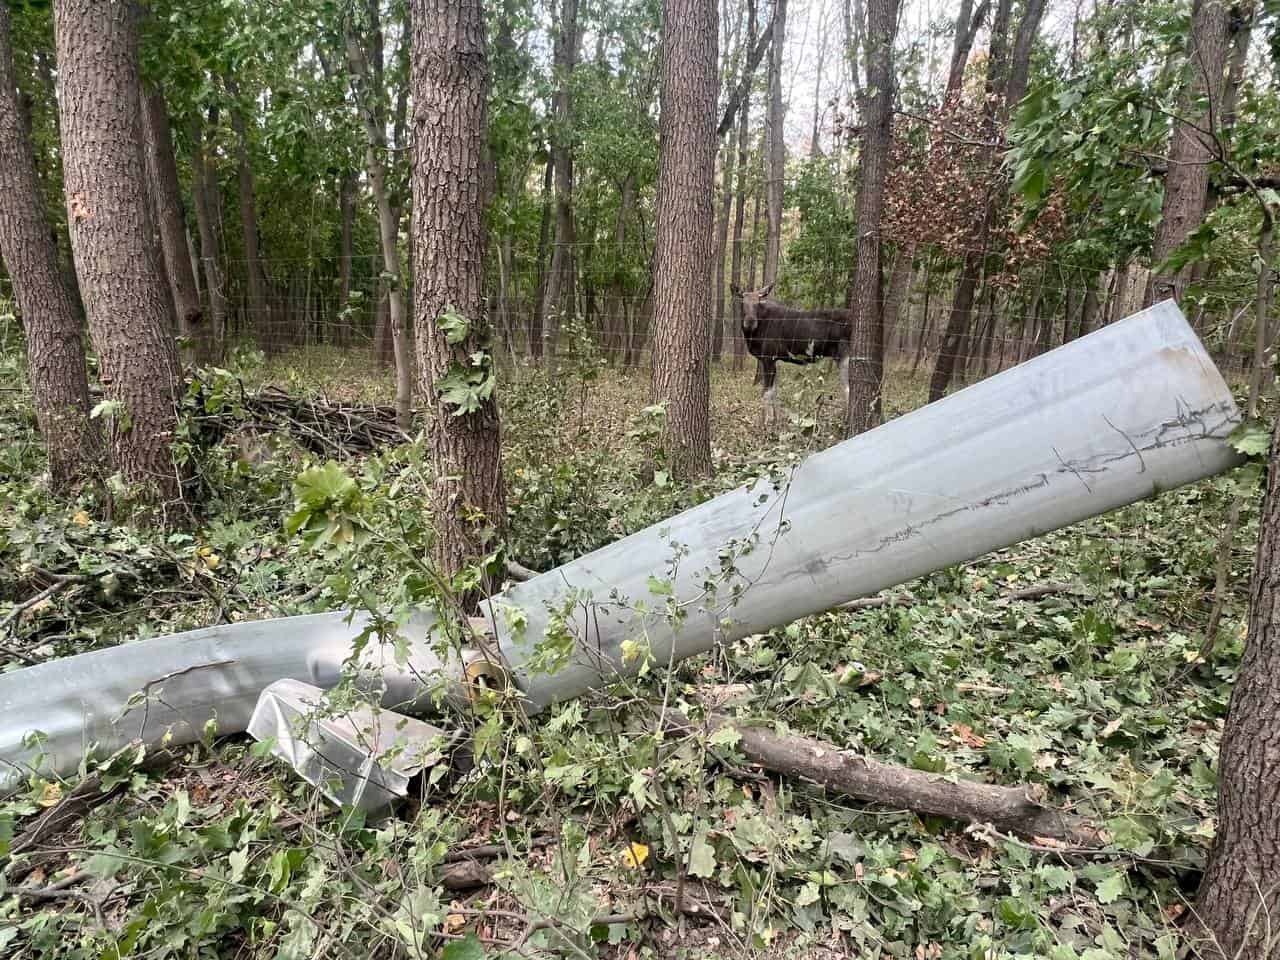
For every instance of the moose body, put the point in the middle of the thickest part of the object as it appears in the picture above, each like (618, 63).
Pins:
(775, 332)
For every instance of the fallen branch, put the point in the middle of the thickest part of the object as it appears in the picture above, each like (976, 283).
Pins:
(1008, 809)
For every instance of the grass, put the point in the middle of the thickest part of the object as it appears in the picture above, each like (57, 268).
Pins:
(1103, 700)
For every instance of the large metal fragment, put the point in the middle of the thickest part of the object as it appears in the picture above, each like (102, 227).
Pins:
(361, 757)
(1111, 418)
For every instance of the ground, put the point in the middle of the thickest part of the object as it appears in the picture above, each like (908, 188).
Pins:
(1101, 694)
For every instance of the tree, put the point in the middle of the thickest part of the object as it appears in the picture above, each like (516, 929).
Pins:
(55, 348)
(364, 57)
(775, 184)
(126, 298)
(1239, 887)
(560, 286)
(162, 173)
(684, 251)
(207, 197)
(257, 308)
(1191, 144)
(455, 368)
(866, 328)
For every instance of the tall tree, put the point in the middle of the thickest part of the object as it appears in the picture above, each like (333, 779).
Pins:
(775, 185)
(683, 255)
(207, 200)
(125, 294)
(1192, 145)
(866, 367)
(259, 311)
(1239, 892)
(364, 57)
(162, 173)
(559, 297)
(55, 348)
(455, 367)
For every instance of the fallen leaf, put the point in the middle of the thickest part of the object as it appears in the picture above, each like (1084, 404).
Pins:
(634, 855)
(50, 794)
(964, 733)
(80, 518)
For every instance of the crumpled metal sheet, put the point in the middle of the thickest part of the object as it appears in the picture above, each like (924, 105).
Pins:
(166, 689)
(1111, 418)
(361, 757)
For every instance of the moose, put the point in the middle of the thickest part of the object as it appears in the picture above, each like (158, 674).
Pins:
(774, 332)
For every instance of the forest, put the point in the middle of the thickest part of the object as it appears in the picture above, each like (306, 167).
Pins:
(756, 478)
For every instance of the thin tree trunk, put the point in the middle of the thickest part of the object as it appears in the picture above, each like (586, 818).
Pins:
(538, 316)
(257, 307)
(208, 203)
(777, 149)
(450, 85)
(346, 246)
(740, 209)
(722, 251)
(55, 347)
(683, 265)
(866, 327)
(162, 170)
(366, 83)
(615, 342)
(129, 309)
(560, 296)
(1191, 145)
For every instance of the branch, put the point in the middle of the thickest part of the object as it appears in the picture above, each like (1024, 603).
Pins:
(744, 82)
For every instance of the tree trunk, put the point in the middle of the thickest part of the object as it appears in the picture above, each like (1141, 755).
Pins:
(538, 316)
(683, 265)
(367, 88)
(615, 341)
(1239, 891)
(450, 85)
(128, 304)
(162, 171)
(55, 348)
(346, 247)
(968, 22)
(1191, 145)
(208, 203)
(560, 287)
(258, 309)
(866, 327)
(740, 209)
(777, 149)
(722, 251)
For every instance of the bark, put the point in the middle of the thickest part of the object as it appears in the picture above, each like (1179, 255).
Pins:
(1239, 890)
(617, 319)
(128, 305)
(968, 22)
(560, 286)
(346, 243)
(683, 265)
(162, 171)
(363, 58)
(208, 203)
(537, 316)
(55, 348)
(740, 210)
(866, 358)
(1191, 145)
(1008, 809)
(742, 91)
(1020, 64)
(899, 284)
(257, 307)
(450, 85)
(777, 149)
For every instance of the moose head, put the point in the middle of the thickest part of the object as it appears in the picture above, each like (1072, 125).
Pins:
(751, 300)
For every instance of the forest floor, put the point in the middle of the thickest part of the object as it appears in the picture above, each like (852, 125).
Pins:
(1101, 697)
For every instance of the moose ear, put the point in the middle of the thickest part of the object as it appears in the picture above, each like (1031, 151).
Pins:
(767, 288)
(735, 290)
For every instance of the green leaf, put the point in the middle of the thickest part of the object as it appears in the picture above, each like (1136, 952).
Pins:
(455, 326)
(468, 949)
(726, 736)
(1251, 438)
(660, 588)
(1111, 889)
(702, 857)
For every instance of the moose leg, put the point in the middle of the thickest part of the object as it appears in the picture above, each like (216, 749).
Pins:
(843, 367)
(769, 375)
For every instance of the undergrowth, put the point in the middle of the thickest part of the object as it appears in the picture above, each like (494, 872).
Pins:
(1103, 697)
